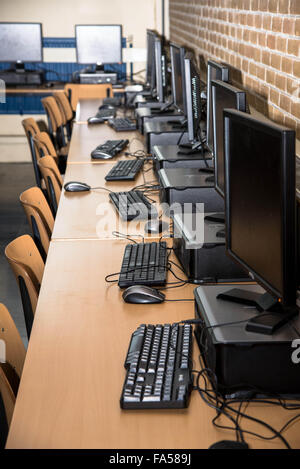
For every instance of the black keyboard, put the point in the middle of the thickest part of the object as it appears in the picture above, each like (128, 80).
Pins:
(159, 368)
(144, 264)
(125, 170)
(109, 148)
(133, 205)
(122, 124)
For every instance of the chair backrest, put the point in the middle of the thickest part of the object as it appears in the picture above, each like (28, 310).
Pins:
(55, 120)
(14, 348)
(44, 145)
(31, 126)
(8, 396)
(64, 105)
(77, 91)
(28, 267)
(39, 217)
(53, 180)
(32, 130)
(66, 111)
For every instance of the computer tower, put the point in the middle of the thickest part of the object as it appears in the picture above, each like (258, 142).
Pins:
(184, 185)
(170, 156)
(146, 114)
(200, 250)
(164, 133)
(246, 364)
(28, 77)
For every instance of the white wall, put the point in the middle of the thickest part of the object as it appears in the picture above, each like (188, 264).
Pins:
(58, 18)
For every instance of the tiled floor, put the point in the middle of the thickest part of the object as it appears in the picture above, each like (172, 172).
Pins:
(14, 179)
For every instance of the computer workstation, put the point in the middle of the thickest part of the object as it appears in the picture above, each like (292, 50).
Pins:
(174, 105)
(158, 363)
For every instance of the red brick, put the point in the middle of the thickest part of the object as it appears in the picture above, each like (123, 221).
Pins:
(296, 68)
(294, 47)
(294, 7)
(295, 109)
(277, 24)
(287, 65)
(297, 27)
(274, 96)
(271, 41)
(288, 26)
(275, 61)
(273, 6)
(283, 6)
(281, 44)
(285, 103)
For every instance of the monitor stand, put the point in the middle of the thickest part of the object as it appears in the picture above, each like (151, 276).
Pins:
(190, 148)
(265, 303)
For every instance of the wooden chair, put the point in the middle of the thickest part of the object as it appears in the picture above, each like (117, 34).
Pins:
(53, 180)
(44, 146)
(11, 370)
(55, 123)
(31, 130)
(66, 111)
(14, 348)
(8, 395)
(78, 91)
(28, 268)
(39, 217)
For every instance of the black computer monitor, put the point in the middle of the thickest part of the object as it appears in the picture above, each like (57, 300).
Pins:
(260, 204)
(223, 96)
(193, 99)
(150, 66)
(160, 70)
(215, 71)
(178, 79)
(21, 42)
(98, 43)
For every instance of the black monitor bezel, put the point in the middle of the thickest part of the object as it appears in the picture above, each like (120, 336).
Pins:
(92, 63)
(158, 58)
(224, 72)
(192, 132)
(288, 226)
(149, 73)
(241, 105)
(41, 48)
(182, 53)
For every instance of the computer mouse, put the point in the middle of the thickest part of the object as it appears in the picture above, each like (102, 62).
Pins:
(141, 294)
(107, 106)
(95, 120)
(228, 444)
(101, 155)
(74, 186)
(156, 226)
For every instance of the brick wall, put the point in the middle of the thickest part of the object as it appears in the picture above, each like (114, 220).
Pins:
(258, 39)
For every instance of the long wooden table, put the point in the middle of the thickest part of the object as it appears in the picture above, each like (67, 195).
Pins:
(73, 373)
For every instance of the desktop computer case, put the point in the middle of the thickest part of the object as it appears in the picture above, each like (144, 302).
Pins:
(169, 156)
(246, 364)
(163, 133)
(207, 262)
(184, 185)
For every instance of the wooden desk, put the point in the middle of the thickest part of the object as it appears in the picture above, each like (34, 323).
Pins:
(73, 374)
(85, 138)
(90, 215)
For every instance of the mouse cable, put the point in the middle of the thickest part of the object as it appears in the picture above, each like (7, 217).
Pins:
(223, 408)
(103, 188)
(120, 235)
(277, 434)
